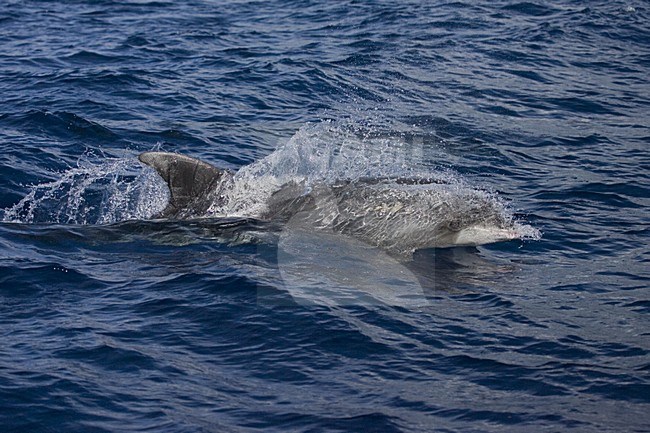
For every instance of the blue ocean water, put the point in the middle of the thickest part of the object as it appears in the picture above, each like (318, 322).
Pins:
(110, 321)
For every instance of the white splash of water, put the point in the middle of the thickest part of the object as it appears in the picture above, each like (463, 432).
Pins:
(112, 190)
(323, 152)
(329, 151)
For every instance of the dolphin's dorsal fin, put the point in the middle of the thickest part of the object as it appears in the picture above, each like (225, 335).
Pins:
(190, 183)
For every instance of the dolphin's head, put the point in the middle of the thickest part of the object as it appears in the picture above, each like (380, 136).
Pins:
(477, 220)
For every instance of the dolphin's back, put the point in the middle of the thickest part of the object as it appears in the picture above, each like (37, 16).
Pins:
(192, 183)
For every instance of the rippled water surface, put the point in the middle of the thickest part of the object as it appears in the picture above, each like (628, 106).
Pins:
(111, 321)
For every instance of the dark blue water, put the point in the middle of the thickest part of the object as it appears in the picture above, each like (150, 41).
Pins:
(112, 322)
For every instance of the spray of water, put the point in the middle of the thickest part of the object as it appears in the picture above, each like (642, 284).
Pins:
(324, 152)
(103, 192)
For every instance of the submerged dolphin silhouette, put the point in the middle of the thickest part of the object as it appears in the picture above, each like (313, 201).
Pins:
(399, 216)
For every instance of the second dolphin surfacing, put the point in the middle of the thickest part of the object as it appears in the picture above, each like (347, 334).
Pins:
(396, 215)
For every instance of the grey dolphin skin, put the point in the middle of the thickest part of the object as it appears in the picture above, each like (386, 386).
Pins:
(399, 216)
(191, 183)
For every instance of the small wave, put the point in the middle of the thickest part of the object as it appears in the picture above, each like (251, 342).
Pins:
(60, 124)
(91, 58)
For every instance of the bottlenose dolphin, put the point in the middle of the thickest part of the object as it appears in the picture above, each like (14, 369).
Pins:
(396, 215)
